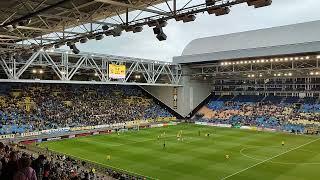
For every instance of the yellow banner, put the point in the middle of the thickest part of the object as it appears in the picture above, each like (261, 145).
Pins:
(117, 71)
(8, 136)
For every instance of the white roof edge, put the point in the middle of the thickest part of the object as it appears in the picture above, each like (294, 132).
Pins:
(273, 36)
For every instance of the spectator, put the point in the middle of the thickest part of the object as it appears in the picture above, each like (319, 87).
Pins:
(38, 166)
(25, 172)
(11, 167)
(59, 106)
(1, 156)
(280, 113)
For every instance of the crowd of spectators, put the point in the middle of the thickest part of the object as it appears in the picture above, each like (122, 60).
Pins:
(291, 114)
(28, 107)
(16, 164)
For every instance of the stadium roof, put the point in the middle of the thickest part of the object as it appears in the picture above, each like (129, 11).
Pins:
(32, 19)
(55, 16)
(289, 39)
(45, 24)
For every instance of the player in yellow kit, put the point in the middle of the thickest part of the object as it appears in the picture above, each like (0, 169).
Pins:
(227, 156)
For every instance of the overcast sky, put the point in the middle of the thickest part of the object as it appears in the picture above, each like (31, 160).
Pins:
(241, 18)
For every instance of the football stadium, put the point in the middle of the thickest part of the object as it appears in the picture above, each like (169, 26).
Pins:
(240, 106)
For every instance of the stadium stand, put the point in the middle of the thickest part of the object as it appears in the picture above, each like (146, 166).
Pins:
(290, 114)
(17, 164)
(29, 107)
(34, 107)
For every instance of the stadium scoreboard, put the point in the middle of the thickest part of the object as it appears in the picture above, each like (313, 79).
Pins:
(117, 71)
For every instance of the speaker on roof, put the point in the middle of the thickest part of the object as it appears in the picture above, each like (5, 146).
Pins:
(162, 36)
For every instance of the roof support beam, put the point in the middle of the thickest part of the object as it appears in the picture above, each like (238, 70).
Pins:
(115, 3)
(34, 13)
(75, 19)
(46, 30)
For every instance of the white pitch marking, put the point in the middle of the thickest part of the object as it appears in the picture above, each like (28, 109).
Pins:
(238, 172)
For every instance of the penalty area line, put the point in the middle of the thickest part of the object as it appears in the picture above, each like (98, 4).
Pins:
(245, 169)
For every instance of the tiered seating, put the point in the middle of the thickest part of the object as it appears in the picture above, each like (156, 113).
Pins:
(156, 111)
(309, 100)
(282, 113)
(26, 108)
(310, 108)
(291, 100)
(273, 99)
(21, 164)
(215, 105)
(248, 98)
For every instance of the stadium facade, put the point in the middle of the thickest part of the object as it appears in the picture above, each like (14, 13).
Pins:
(253, 62)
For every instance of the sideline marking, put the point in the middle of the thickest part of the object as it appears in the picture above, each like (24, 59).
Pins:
(109, 166)
(238, 172)
(276, 162)
(104, 165)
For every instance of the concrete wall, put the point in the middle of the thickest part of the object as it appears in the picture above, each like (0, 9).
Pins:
(189, 96)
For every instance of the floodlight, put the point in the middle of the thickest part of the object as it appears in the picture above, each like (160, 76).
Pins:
(69, 43)
(189, 18)
(99, 37)
(210, 2)
(84, 40)
(117, 31)
(162, 36)
(219, 11)
(157, 30)
(105, 27)
(137, 29)
(74, 49)
(91, 36)
(259, 3)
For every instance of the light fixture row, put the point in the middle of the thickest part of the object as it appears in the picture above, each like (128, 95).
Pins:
(275, 75)
(37, 71)
(315, 73)
(268, 60)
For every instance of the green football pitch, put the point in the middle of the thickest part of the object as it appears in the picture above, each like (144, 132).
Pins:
(252, 155)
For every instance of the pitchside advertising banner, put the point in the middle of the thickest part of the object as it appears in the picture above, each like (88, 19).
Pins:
(213, 124)
(236, 126)
(163, 124)
(117, 71)
(68, 129)
(8, 136)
